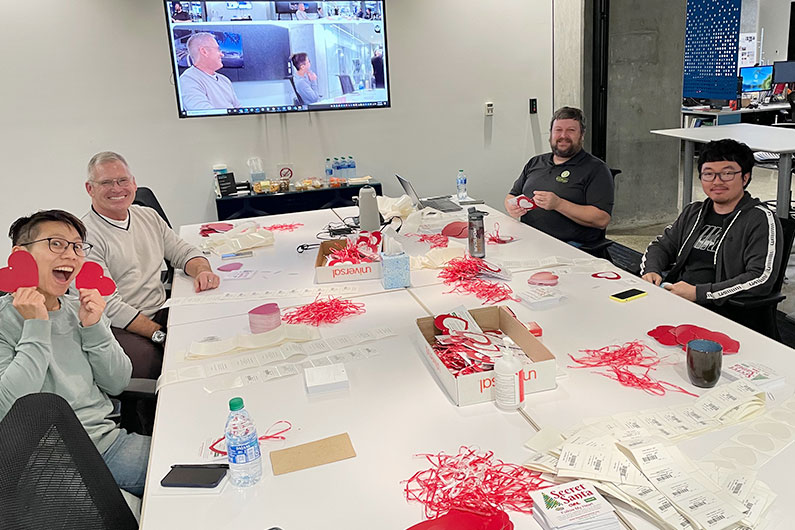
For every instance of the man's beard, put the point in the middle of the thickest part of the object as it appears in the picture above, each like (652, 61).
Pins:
(572, 150)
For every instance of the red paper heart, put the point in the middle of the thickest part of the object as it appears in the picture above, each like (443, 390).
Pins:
(543, 278)
(607, 275)
(22, 271)
(229, 267)
(664, 335)
(456, 229)
(686, 332)
(92, 276)
(525, 202)
(440, 323)
(729, 344)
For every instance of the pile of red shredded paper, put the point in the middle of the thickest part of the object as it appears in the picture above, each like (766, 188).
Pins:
(350, 253)
(473, 482)
(630, 364)
(284, 227)
(330, 310)
(496, 239)
(436, 240)
(462, 275)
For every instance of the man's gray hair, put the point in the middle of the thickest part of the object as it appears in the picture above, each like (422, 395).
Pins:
(103, 158)
(196, 41)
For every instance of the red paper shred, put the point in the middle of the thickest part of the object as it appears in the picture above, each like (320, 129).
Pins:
(274, 432)
(330, 310)
(351, 253)
(452, 356)
(496, 239)
(630, 364)
(436, 240)
(285, 227)
(462, 275)
(473, 482)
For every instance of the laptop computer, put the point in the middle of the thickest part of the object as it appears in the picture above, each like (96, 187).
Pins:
(443, 205)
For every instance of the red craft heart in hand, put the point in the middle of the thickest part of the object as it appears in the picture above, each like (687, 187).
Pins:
(524, 202)
(22, 271)
(607, 275)
(93, 277)
(455, 229)
(543, 278)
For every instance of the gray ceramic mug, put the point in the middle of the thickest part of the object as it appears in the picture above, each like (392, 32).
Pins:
(704, 360)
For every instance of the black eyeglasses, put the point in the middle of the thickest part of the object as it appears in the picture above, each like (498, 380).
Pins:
(58, 245)
(725, 176)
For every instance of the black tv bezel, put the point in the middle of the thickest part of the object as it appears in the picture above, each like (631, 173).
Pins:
(362, 106)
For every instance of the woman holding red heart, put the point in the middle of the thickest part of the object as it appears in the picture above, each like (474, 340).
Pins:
(61, 344)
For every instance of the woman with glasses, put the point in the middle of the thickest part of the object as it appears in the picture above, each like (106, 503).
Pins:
(63, 345)
(729, 245)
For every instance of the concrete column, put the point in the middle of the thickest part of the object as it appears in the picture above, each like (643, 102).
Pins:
(645, 92)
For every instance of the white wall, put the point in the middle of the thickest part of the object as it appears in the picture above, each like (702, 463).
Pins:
(774, 19)
(86, 76)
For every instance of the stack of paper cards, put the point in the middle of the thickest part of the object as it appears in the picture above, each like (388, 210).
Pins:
(325, 378)
(539, 297)
(573, 506)
(760, 374)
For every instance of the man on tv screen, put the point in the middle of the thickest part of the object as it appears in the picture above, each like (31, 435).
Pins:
(202, 87)
(305, 79)
(179, 15)
(378, 68)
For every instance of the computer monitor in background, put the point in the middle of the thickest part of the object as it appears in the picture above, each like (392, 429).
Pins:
(784, 72)
(757, 78)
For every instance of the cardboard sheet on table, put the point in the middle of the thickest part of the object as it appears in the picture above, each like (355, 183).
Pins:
(312, 454)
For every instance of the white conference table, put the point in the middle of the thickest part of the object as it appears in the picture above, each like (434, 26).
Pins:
(394, 408)
(779, 140)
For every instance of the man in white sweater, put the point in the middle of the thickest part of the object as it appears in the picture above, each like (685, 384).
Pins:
(131, 242)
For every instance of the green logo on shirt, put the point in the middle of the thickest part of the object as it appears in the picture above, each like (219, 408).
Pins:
(563, 177)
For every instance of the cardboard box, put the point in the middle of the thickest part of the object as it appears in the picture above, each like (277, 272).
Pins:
(538, 374)
(342, 273)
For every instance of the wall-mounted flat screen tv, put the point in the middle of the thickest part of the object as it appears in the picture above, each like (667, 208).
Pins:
(261, 57)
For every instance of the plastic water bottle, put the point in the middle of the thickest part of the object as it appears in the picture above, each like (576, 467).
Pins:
(329, 170)
(507, 392)
(337, 166)
(242, 446)
(351, 167)
(461, 185)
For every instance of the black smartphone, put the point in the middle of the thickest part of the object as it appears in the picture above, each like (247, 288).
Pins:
(194, 476)
(626, 296)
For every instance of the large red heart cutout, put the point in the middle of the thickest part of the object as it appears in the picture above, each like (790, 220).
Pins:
(22, 271)
(456, 229)
(607, 275)
(92, 276)
(664, 335)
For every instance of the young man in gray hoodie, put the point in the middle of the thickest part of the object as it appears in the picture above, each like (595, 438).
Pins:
(729, 245)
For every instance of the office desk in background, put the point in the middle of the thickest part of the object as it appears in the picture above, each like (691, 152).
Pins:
(758, 137)
(254, 205)
(762, 113)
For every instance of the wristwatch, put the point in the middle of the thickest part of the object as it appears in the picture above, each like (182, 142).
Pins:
(159, 336)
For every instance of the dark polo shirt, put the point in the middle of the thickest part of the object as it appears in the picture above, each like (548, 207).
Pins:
(583, 179)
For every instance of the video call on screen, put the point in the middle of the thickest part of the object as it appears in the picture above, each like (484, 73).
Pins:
(340, 49)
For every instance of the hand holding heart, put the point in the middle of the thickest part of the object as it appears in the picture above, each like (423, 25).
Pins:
(91, 307)
(29, 302)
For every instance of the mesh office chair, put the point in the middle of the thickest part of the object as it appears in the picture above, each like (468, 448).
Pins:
(297, 100)
(598, 248)
(51, 474)
(346, 83)
(759, 313)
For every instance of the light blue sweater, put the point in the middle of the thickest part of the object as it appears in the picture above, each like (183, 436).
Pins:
(58, 355)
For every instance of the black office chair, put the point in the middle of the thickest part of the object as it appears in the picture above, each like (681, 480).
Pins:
(759, 313)
(51, 474)
(346, 83)
(297, 100)
(598, 248)
(146, 197)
